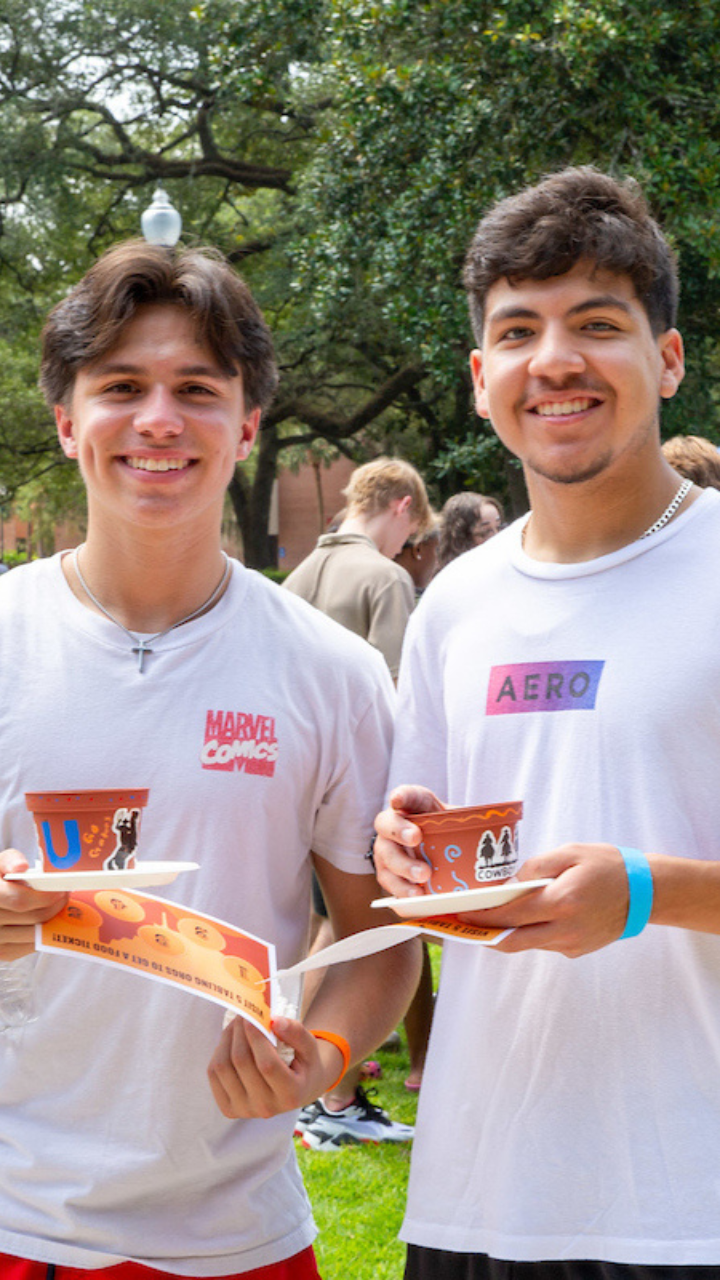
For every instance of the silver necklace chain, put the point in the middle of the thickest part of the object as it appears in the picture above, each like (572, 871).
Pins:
(670, 510)
(140, 646)
(660, 523)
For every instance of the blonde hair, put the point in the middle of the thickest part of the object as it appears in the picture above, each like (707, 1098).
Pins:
(696, 458)
(375, 485)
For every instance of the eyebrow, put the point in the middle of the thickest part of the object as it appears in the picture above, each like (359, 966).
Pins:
(511, 312)
(104, 367)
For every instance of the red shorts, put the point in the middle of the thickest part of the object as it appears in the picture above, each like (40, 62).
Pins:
(300, 1267)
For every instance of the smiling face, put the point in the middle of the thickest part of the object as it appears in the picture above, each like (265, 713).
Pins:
(156, 426)
(571, 375)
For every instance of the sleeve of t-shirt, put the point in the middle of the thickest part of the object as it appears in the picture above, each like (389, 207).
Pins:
(345, 820)
(390, 610)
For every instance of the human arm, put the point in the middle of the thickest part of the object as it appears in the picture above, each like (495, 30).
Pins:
(21, 908)
(586, 906)
(360, 1000)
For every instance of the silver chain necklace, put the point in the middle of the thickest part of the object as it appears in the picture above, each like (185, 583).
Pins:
(660, 523)
(141, 647)
(669, 511)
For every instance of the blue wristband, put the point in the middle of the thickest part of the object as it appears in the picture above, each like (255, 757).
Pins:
(640, 885)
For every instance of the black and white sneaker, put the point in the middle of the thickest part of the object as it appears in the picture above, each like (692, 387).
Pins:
(307, 1116)
(361, 1121)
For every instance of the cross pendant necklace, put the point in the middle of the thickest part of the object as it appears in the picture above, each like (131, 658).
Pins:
(140, 646)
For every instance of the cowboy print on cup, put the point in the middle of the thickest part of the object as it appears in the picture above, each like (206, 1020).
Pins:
(470, 847)
(87, 830)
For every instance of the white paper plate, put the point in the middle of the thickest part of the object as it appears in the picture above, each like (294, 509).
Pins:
(452, 904)
(134, 878)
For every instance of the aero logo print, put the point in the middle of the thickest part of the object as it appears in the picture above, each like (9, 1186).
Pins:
(523, 687)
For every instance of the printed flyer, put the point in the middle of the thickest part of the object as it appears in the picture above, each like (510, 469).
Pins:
(208, 957)
(165, 941)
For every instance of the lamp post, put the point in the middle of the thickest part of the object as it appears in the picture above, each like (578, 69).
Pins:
(161, 223)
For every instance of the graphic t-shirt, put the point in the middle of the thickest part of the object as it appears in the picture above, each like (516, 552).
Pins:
(571, 1105)
(262, 731)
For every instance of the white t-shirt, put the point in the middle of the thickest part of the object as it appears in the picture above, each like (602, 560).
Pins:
(262, 730)
(571, 1108)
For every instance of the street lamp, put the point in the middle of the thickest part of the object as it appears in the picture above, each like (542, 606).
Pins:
(161, 223)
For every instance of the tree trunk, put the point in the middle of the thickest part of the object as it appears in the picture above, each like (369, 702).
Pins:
(251, 503)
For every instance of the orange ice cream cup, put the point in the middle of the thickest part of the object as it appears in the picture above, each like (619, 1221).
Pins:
(87, 830)
(470, 847)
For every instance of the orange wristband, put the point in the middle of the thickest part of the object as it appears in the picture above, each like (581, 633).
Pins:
(340, 1043)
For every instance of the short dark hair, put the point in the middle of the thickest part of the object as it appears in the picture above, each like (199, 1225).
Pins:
(577, 213)
(90, 321)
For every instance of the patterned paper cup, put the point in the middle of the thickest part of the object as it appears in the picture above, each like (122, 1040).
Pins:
(470, 847)
(87, 830)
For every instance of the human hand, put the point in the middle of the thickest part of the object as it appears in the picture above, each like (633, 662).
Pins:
(21, 908)
(398, 867)
(250, 1080)
(585, 907)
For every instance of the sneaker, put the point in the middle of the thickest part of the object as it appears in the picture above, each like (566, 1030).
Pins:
(307, 1116)
(361, 1121)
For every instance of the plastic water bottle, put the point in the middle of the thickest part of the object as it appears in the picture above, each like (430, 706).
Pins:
(17, 992)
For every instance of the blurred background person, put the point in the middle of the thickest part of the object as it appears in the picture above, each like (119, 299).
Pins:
(419, 556)
(467, 519)
(352, 576)
(695, 458)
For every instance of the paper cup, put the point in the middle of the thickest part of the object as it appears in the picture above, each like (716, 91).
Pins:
(87, 830)
(470, 847)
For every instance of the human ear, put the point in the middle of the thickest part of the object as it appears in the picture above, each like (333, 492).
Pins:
(248, 433)
(478, 381)
(65, 431)
(673, 363)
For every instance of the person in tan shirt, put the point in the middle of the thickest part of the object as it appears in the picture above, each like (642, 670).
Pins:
(351, 575)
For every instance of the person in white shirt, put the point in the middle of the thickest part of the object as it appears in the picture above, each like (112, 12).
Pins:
(569, 1123)
(137, 1134)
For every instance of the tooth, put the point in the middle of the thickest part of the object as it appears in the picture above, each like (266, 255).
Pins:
(157, 464)
(549, 409)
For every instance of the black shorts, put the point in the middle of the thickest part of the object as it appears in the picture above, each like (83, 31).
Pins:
(317, 898)
(437, 1264)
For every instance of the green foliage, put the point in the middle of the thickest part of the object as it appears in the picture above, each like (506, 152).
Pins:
(442, 108)
(13, 558)
(276, 575)
(341, 153)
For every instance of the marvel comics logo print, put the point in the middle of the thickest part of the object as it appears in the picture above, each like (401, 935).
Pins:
(238, 740)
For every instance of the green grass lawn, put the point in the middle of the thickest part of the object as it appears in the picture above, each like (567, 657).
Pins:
(358, 1192)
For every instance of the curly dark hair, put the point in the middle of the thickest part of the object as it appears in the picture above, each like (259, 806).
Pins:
(579, 213)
